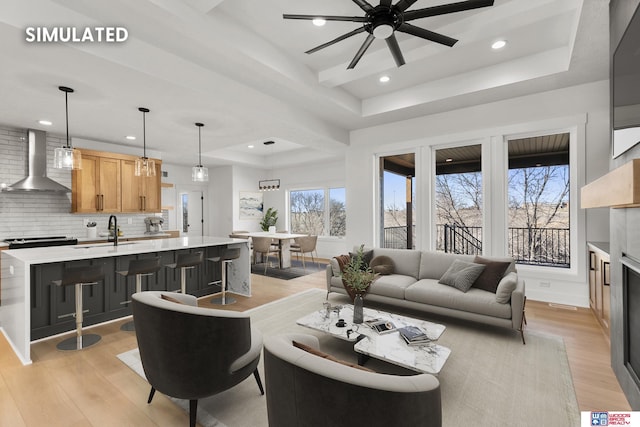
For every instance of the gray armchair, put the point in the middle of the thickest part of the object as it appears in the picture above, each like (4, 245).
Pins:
(190, 352)
(304, 389)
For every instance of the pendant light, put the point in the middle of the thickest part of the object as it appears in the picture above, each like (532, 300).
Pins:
(144, 165)
(200, 173)
(269, 184)
(67, 157)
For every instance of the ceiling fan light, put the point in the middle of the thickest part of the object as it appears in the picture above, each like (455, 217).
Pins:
(319, 22)
(383, 31)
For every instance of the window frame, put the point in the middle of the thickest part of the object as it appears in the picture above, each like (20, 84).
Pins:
(326, 220)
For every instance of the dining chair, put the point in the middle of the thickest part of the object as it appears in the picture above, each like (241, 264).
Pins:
(305, 245)
(263, 245)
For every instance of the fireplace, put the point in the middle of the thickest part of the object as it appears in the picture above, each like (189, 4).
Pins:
(631, 316)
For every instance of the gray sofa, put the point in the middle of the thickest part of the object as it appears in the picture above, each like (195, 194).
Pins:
(304, 389)
(414, 284)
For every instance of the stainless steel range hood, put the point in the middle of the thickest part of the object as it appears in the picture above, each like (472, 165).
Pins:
(36, 180)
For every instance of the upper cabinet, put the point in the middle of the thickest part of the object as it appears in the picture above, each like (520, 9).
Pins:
(140, 193)
(107, 184)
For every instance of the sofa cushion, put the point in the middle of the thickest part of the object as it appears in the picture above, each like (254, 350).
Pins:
(383, 265)
(434, 264)
(461, 274)
(367, 256)
(491, 275)
(392, 286)
(406, 261)
(429, 291)
(506, 286)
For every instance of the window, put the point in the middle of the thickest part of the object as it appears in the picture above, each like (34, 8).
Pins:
(318, 212)
(538, 230)
(397, 207)
(459, 200)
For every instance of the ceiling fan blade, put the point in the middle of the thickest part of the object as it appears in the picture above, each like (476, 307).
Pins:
(426, 34)
(364, 5)
(386, 3)
(337, 39)
(446, 8)
(361, 51)
(326, 17)
(403, 5)
(392, 42)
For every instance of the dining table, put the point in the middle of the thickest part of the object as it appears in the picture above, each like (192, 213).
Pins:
(284, 243)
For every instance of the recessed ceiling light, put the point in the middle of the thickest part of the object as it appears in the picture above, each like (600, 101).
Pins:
(45, 122)
(384, 79)
(319, 22)
(130, 137)
(449, 160)
(249, 146)
(499, 44)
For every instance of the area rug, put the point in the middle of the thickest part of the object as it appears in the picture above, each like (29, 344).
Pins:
(490, 379)
(296, 269)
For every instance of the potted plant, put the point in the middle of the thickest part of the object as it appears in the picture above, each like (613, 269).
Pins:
(357, 276)
(269, 219)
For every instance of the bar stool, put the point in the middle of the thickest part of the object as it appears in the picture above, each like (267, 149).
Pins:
(225, 259)
(139, 268)
(186, 262)
(80, 276)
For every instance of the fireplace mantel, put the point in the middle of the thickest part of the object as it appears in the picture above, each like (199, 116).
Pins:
(620, 188)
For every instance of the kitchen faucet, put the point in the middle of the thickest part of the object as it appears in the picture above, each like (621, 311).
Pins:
(115, 230)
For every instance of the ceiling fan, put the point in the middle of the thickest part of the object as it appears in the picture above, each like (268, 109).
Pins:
(382, 21)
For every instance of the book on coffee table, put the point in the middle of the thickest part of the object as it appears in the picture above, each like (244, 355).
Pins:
(414, 335)
(381, 326)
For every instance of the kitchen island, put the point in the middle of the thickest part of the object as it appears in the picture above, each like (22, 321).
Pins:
(34, 308)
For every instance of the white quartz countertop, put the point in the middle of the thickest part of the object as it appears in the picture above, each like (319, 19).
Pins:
(102, 250)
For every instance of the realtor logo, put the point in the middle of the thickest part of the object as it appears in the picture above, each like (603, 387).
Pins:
(599, 418)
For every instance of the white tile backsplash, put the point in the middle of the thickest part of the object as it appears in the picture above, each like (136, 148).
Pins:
(45, 214)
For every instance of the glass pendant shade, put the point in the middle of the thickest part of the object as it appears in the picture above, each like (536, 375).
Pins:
(144, 166)
(67, 157)
(199, 173)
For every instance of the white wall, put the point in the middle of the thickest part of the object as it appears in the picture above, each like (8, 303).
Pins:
(584, 108)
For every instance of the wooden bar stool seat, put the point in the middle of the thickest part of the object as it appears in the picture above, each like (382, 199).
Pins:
(80, 277)
(139, 268)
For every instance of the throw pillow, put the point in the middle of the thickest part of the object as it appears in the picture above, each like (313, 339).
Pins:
(170, 298)
(491, 275)
(506, 286)
(324, 355)
(382, 264)
(461, 275)
(367, 256)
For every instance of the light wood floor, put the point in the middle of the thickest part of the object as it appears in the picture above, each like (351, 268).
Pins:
(93, 388)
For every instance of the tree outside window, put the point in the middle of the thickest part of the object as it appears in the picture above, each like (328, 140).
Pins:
(318, 212)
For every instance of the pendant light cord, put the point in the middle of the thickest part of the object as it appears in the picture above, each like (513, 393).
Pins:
(144, 135)
(66, 106)
(199, 146)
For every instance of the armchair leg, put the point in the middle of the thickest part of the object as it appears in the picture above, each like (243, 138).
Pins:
(256, 374)
(151, 393)
(523, 321)
(193, 410)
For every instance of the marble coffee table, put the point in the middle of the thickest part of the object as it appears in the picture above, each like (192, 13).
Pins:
(390, 347)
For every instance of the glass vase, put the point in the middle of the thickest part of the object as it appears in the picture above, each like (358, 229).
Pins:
(358, 315)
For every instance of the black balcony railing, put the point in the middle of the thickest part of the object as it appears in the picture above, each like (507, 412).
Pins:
(534, 246)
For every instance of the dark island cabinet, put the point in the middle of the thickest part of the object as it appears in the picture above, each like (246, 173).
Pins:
(53, 307)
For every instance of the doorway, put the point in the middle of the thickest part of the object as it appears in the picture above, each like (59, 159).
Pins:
(192, 213)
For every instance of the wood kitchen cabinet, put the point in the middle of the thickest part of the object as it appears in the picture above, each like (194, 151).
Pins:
(107, 184)
(599, 283)
(140, 193)
(96, 187)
